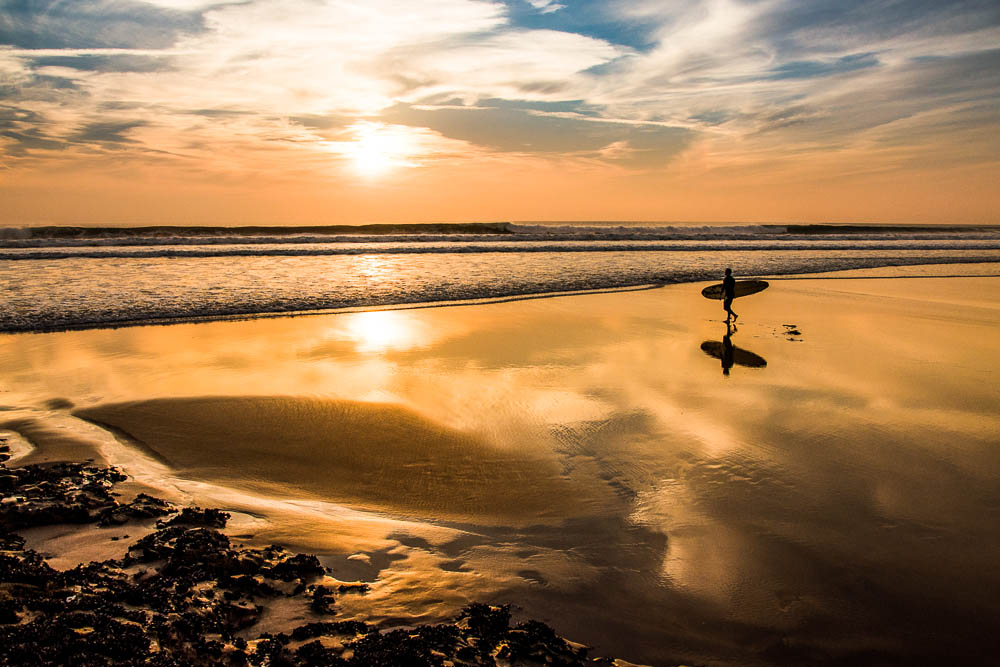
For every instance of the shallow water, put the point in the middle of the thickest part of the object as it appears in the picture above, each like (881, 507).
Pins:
(839, 502)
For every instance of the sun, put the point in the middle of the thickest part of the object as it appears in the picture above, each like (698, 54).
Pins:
(377, 149)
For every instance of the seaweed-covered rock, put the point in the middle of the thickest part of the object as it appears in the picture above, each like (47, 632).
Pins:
(53, 493)
(315, 654)
(331, 629)
(361, 589)
(186, 595)
(295, 567)
(486, 621)
(396, 647)
(536, 642)
(24, 567)
(143, 507)
(271, 651)
(196, 516)
(322, 600)
(76, 640)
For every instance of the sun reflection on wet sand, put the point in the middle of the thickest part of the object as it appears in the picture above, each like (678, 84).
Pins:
(377, 332)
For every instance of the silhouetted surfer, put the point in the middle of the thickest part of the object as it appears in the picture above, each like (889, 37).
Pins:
(728, 294)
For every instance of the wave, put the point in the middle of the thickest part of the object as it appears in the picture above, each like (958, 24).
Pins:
(114, 294)
(484, 233)
(153, 231)
(118, 252)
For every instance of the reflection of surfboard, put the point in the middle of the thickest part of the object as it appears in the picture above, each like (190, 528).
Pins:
(743, 288)
(716, 348)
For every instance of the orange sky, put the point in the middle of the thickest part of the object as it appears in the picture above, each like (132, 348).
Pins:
(301, 111)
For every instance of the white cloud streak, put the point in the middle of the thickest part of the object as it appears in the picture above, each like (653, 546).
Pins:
(713, 67)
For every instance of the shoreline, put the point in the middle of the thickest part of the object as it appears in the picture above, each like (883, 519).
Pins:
(510, 298)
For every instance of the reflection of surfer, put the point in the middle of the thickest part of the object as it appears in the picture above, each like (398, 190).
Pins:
(728, 294)
(729, 354)
(727, 348)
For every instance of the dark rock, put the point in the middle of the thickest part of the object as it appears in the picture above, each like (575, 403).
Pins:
(314, 654)
(143, 507)
(54, 493)
(322, 600)
(25, 567)
(8, 612)
(198, 590)
(537, 642)
(196, 516)
(297, 567)
(354, 588)
(273, 653)
(397, 647)
(486, 622)
(8, 482)
(330, 629)
(247, 585)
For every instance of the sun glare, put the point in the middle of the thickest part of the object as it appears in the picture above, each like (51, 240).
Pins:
(379, 331)
(378, 149)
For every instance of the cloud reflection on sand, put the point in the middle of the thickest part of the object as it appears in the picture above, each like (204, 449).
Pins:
(844, 496)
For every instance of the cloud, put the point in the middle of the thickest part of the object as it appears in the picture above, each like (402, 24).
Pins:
(546, 6)
(633, 83)
(81, 24)
(524, 131)
(831, 26)
(191, 5)
(98, 62)
(107, 132)
(809, 69)
(30, 138)
(514, 64)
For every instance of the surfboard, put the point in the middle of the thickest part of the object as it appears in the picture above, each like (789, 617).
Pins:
(741, 357)
(743, 288)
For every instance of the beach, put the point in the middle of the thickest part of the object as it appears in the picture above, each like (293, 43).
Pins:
(829, 497)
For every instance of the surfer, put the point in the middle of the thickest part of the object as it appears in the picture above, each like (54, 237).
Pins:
(728, 294)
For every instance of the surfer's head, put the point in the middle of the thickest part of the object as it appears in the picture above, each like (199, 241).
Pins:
(728, 271)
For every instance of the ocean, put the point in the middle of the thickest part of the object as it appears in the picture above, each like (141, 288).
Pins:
(58, 278)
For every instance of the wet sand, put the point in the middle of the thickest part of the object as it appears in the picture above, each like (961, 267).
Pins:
(375, 455)
(587, 459)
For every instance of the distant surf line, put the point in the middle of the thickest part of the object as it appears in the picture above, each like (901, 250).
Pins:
(473, 249)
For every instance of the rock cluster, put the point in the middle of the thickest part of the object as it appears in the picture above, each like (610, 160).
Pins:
(186, 595)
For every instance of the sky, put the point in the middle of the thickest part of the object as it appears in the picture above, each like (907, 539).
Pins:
(359, 111)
